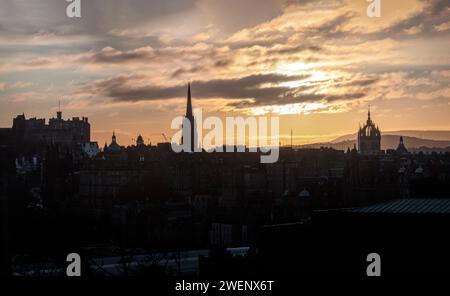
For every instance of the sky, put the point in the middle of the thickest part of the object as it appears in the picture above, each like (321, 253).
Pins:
(318, 65)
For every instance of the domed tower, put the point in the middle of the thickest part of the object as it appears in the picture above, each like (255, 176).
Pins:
(114, 147)
(369, 138)
(140, 141)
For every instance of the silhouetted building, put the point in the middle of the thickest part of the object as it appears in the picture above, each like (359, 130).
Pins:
(193, 125)
(406, 233)
(114, 147)
(144, 196)
(369, 138)
(66, 133)
(140, 141)
(401, 149)
(91, 149)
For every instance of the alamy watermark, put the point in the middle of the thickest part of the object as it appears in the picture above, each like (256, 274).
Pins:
(261, 134)
(74, 267)
(73, 9)
(374, 268)
(374, 8)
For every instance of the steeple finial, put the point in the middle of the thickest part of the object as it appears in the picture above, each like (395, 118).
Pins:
(291, 138)
(189, 102)
(368, 113)
(59, 113)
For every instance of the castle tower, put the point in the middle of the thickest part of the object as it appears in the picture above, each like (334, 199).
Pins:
(369, 138)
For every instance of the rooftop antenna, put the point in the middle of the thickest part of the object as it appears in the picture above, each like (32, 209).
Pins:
(59, 114)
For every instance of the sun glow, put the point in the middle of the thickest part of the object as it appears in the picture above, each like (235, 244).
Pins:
(306, 69)
(313, 77)
(293, 68)
(298, 108)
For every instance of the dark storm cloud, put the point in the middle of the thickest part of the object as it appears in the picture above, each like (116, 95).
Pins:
(109, 55)
(253, 87)
(249, 87)
(223, 63)
(285, 98)
(359, 82)
(293, 96)
(438, 7)
(190, 70)
(112, 56)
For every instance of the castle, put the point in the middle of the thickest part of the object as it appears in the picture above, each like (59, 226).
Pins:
(66, 133)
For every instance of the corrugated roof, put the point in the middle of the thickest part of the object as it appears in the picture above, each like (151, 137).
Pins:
(409, 206)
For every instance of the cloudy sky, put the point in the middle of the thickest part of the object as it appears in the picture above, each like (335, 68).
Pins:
(317, 64)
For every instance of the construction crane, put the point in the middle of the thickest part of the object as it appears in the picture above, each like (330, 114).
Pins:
(165, 137)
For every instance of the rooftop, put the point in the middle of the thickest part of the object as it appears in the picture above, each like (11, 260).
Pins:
(409, 206)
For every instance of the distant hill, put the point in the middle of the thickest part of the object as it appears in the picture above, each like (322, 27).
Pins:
(388, 141)
(430, 135)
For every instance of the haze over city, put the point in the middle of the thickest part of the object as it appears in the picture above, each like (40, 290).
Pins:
(317, 64)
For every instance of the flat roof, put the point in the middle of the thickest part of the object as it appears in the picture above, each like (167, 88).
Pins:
(409, 206)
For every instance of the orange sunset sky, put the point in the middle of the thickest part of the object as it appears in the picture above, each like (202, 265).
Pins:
(317, 64)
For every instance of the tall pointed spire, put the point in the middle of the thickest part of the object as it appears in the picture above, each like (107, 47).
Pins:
(189, 103)
(368, 113)
(193, 126)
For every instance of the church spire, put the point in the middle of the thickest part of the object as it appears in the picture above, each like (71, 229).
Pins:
(189, 102)
(368, 113)
(193, 126)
